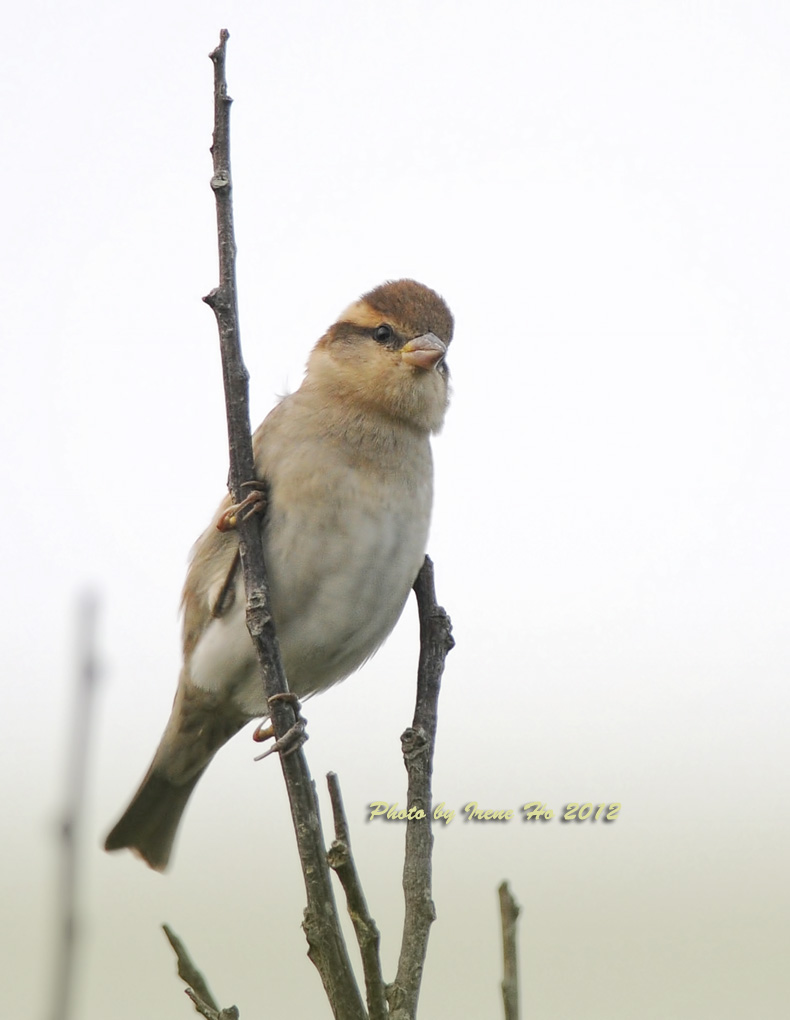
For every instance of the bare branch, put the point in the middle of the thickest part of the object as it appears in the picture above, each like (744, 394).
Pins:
(70, 825)
(189, 973)
(231, 1013)
(342, 861)
(418, 746)
(509, 910)
(327, 949)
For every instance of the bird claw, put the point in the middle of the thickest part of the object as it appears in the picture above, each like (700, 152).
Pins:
(289, 742)
(288, 698)
(292, 739)
(253, 503)
(264, 732)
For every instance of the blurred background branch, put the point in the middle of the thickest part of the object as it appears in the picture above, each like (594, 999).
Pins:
(509, 911)
(79, 737)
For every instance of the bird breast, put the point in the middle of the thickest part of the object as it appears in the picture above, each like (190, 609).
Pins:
(345, 536)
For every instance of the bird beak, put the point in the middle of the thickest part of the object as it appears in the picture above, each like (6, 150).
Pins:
(426, 351)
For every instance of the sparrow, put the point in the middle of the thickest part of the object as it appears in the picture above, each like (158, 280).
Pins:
(345, 463)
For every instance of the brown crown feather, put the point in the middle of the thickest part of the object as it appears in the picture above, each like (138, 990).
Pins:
(412, 303)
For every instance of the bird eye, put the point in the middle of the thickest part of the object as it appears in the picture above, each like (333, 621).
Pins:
(383, 333)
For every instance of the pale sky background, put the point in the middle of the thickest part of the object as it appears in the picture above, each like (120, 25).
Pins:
(600, 191)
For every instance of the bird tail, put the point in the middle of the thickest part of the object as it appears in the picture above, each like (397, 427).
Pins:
(148, 826)
(200, 723)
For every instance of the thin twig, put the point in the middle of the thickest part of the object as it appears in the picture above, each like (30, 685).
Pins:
(327, 949)
(418, 742)
(188, 972)
(70, 826)
(509, 911)
(341, 860)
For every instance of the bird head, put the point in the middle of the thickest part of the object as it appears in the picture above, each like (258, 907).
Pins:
(385, 355)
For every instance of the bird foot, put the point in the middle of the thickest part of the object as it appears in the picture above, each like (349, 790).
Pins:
(292, 739)
(253, 503)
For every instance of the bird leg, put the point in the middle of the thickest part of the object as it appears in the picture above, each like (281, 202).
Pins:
(253, 503)
(292, 739)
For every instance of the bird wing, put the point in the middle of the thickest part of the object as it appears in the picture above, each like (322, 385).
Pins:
(211, 582)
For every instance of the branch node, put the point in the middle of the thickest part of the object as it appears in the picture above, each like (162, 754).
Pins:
(413, 742)
(218, 53)
(337, 855)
